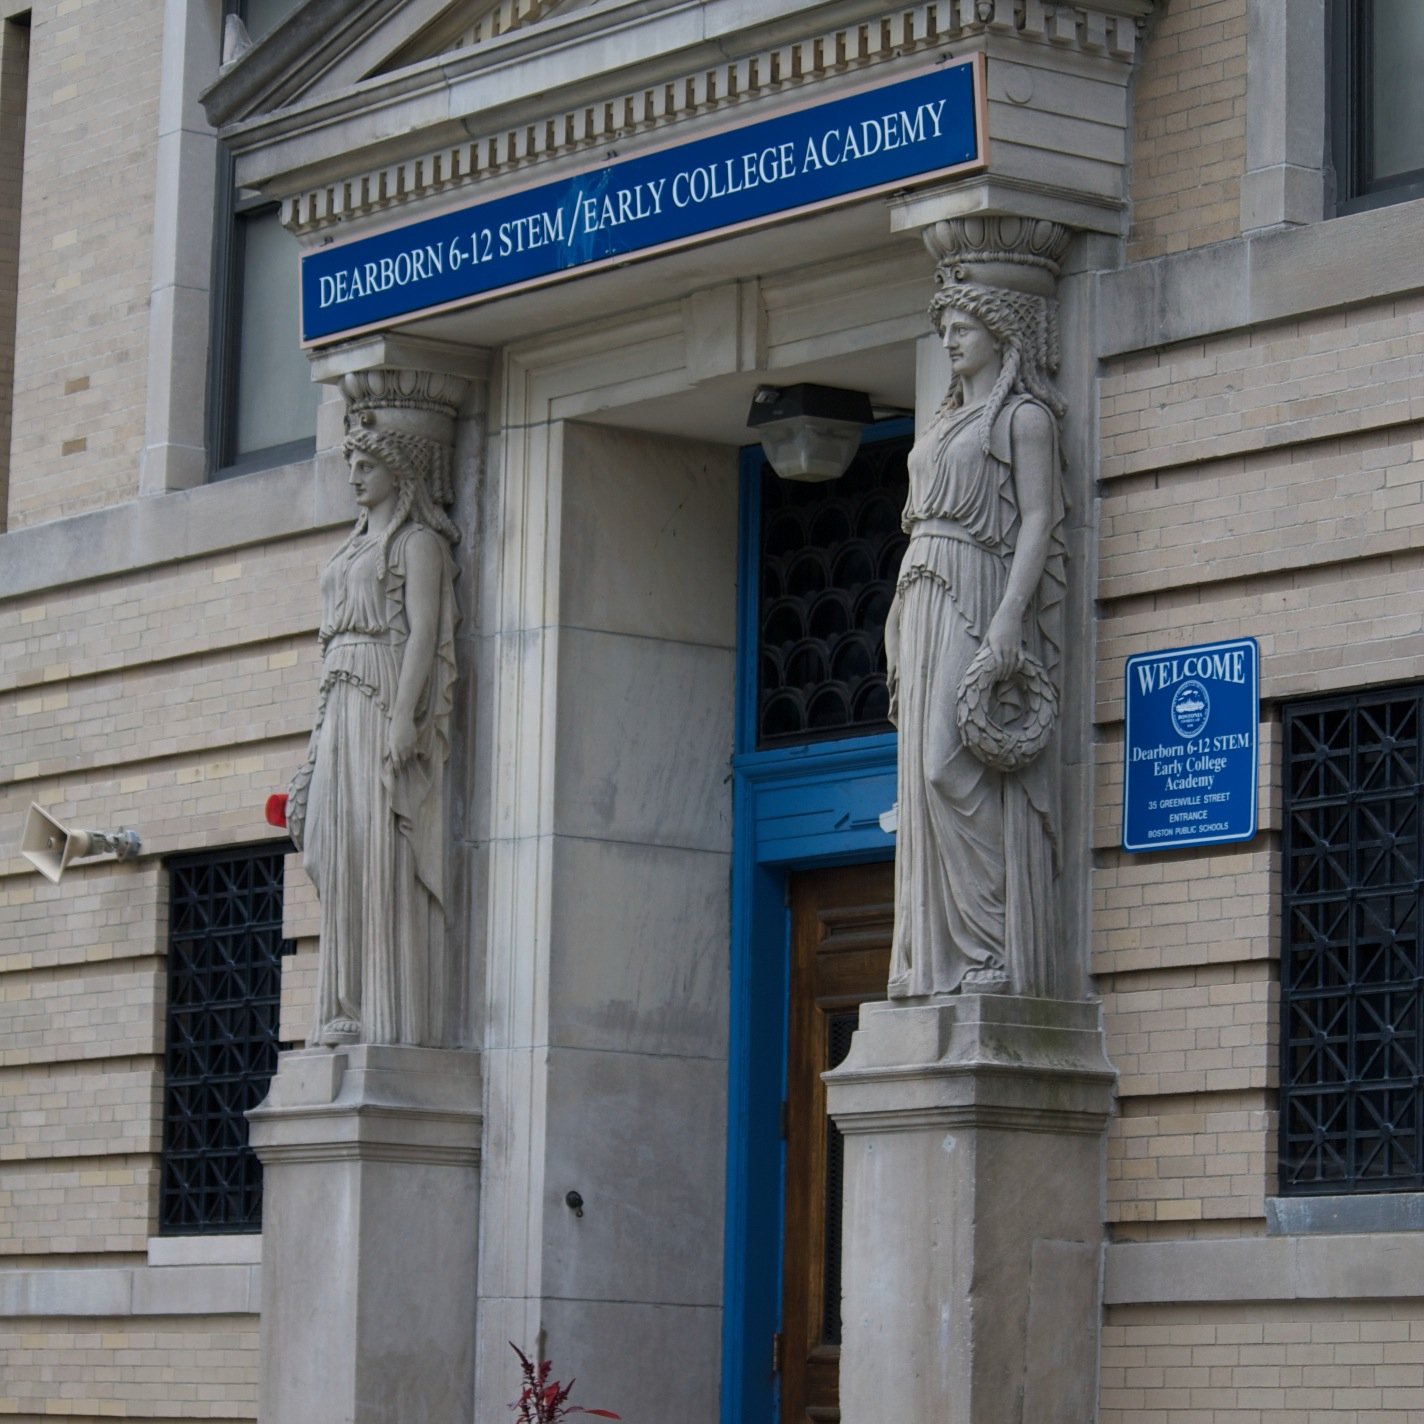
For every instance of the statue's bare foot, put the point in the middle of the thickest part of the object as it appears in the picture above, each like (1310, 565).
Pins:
(341, 1031)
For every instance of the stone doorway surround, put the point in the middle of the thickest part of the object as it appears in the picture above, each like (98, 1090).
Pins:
(351, 124)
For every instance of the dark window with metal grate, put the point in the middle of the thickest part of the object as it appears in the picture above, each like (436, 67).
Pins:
(830, 554)
(1352, 972)
(225, 951)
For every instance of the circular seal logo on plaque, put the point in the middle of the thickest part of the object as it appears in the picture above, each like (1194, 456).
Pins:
(1190, 708)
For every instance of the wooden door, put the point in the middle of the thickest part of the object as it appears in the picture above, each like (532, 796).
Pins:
(840, 958)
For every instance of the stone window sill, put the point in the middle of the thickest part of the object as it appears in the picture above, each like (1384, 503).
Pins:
(1345, 1215)
(234, 1250)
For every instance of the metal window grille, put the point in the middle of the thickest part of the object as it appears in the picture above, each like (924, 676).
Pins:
(1352, 970)
(830, 555)
(225, 951)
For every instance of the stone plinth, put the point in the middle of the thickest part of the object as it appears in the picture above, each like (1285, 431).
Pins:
(973, 1211)
(370, 1206)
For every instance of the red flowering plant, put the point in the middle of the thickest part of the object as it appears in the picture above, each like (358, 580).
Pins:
(546, 1401)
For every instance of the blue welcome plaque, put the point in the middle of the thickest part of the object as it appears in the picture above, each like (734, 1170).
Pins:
(876, 139)
(1190, 777)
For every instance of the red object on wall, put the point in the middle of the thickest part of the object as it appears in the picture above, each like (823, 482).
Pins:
(277, 809)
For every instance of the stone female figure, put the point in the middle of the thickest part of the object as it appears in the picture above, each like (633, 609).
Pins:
(973, 644)
(367, 808)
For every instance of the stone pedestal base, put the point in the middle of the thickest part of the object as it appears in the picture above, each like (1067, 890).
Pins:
(973, 1211)
(370, 1162)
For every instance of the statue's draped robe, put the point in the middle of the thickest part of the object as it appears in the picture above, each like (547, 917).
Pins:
(975, 864)
(374, 838)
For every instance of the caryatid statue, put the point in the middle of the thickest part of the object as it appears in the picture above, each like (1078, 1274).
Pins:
(367, 807)
(974, 636)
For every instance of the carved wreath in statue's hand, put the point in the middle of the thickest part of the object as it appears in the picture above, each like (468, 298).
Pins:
(1006, 721)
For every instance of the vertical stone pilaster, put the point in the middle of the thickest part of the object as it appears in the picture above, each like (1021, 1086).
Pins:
(370, 1157)
(972, 1230)
(371, 1151)
(974, 1118)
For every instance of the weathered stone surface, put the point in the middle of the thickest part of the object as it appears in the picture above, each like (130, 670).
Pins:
(973, 1136)
(370, 1213)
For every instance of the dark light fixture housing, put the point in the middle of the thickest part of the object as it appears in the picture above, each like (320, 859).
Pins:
(809, 432)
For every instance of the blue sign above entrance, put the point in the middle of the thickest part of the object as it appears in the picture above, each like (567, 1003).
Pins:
(1191, 746)
(872, 140)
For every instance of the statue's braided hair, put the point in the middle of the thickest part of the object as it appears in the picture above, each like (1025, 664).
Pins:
(1026, 327)
(421, 468)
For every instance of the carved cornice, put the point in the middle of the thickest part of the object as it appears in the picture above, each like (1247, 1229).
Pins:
(1110, 29)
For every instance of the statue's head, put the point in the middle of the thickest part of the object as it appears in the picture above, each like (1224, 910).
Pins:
(396, 450)
(406, 457)
(1014, 303)
(999, 309)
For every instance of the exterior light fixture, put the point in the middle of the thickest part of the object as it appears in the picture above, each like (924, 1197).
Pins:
(809, 432)
(49, 845)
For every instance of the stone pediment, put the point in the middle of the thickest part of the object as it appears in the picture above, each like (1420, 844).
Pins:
(469, 23)
(326, 46)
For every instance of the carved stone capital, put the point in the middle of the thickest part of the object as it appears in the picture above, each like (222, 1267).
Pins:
(1019, 253)
(408, 387)
(390, 371)
(414, 402)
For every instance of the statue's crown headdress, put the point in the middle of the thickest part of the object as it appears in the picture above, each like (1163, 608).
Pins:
(420, 403)
(1017, 254)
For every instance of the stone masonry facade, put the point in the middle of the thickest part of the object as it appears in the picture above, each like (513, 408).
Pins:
(85, 256)
(1262, 479)
(173, 694)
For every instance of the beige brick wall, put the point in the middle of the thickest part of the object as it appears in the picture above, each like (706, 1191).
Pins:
(1187, 1031)
(1189, 1158)
(173, 699)
(78, 1110)
(1244, 393)
(72, 1014)
(1161, 912)
(1264, 1363)
(301, 923)
(189, 608)
(60, 1208)
(199, 1367)
(85, 256)
(1262, 483)
(97, 916)
(1189, 128)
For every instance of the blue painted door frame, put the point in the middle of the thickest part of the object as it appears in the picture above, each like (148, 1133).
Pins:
(793, 809)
